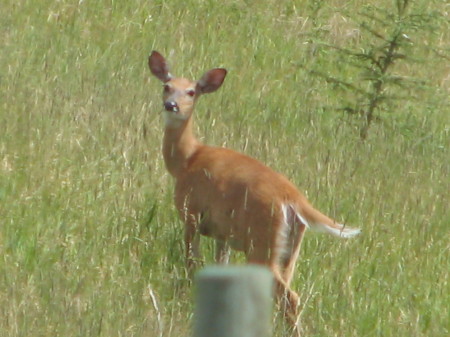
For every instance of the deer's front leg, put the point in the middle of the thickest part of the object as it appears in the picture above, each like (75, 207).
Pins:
(190, 217)
(222, 252)
(192, 244)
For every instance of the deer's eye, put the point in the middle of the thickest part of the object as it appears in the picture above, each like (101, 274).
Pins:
(166, 88)
(191, 92)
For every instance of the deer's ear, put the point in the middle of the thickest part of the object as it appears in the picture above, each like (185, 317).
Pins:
(211, 81)
(158, 66)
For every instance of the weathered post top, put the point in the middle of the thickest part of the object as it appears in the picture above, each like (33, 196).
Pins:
(233, 301)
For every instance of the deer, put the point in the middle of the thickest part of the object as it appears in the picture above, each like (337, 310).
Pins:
(230, 197)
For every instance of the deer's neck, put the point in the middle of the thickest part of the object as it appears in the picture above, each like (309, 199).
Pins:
(179, 145)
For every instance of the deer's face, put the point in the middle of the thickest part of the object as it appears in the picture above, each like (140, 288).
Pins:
(179, 95)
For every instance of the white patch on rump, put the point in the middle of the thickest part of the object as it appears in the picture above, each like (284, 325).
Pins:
(285, 240)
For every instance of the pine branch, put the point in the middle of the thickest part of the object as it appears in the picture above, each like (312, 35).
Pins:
(333, 80)
(387, 44)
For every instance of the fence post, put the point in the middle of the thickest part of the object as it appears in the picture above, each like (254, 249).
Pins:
(233, 301)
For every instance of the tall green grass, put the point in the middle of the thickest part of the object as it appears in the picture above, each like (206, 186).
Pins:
(90, 243)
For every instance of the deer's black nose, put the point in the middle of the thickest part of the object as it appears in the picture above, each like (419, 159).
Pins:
(171, 106)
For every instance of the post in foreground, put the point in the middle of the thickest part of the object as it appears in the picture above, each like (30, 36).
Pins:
(233, 301)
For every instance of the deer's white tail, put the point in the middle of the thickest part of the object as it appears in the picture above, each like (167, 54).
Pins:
(321, 223)
(339, 230)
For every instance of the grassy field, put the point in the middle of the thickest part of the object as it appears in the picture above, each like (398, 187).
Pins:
(90, 243)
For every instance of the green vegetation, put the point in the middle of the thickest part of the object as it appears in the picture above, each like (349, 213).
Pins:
(90, 242)
(385, 44)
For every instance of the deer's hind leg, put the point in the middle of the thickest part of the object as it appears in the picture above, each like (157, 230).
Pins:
(288, 301)
(289, 240)
(287, 248)
(289, 261)
(286, 298)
